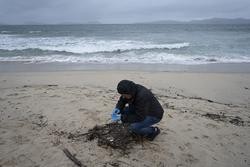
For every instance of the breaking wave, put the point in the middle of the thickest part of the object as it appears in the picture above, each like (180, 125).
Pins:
(80, 45)
(70, 49)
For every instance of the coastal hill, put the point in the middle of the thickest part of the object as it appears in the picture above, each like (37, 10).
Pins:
(198, 21)
(204, 21)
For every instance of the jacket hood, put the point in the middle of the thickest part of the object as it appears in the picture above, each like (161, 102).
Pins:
(126, 87)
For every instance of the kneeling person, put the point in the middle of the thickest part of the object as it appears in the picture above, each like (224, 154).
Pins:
(143, 109)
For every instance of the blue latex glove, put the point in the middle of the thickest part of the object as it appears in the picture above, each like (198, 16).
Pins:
(116, 115)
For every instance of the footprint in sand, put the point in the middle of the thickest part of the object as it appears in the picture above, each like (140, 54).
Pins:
(236, 134)
(2, 142)
(141, 154)
(156, 156)
(22, 90)
(171, 155)
(21, 139)
(27, 86)
(24, 159)
(213, 126)
(13, 94)
(55, 96)
(23, 97)
(2, 99)
(73, 101)
(188, 145)
(3, 131)
(187, 130)
(170, 130)
(181, 148)
(82, 109)
(38, 120)
(205, 136)
(189, 158)
(160, 164)
(187, 116)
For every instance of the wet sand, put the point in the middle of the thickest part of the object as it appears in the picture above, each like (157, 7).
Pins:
(48, 67)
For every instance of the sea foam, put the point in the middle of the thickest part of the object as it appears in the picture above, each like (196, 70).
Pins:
(81, 45)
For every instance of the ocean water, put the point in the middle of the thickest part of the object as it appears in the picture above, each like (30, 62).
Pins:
(121, 44)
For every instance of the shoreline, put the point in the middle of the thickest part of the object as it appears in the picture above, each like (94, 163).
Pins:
(47, 67)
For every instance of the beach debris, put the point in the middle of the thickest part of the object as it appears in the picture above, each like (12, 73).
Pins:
(72, 157)
(51, 85)
(167, 105)
(235, 120)
(39, 120)
(179, 96)
(170, 116)
(115, 135)
(13, 94)
(215, 117)
(116, 163)
(27, 86)
(200, 98)
(112, 135)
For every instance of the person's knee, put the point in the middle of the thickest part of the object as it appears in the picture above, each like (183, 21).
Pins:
(134, 128)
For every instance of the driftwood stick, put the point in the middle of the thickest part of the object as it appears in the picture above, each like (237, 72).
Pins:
(72, 136)
(72, 158)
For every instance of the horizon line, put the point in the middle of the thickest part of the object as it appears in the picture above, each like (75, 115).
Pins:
(144, 22)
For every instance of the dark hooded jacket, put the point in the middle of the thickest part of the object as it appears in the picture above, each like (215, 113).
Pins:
(143, 100)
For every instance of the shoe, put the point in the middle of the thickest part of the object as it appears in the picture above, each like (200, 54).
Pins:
(151, 137)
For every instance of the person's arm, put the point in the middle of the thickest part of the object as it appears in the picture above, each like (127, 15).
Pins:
(121, 103)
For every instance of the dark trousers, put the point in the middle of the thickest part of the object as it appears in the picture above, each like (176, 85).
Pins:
(137, 125)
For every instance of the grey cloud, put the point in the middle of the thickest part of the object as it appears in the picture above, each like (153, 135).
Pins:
(115, 11)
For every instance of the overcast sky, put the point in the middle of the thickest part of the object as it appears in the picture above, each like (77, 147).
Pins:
(118, 11)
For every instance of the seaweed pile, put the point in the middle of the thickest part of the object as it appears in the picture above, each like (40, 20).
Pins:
(235, 120)
(115, 135)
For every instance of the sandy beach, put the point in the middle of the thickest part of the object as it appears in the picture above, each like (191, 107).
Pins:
(206, 121)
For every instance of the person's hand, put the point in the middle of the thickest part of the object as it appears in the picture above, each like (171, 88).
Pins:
(116, 115)
(116, 111)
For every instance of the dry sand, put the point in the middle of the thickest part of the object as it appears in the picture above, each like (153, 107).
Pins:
(35, 108)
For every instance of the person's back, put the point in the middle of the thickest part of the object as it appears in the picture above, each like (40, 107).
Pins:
(146, 103)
